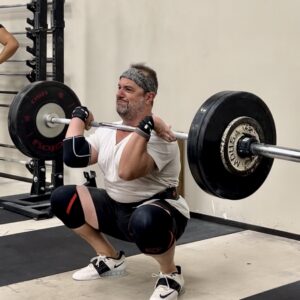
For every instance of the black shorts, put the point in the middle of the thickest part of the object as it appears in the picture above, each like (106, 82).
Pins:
(113, 217)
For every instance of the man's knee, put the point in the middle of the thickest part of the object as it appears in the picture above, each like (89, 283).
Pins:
(66, 205)
(151, 228)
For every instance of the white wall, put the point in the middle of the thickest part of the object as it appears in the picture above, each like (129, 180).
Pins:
(198, 47)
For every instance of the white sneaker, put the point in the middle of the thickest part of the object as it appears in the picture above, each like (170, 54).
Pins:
(168, 286)
(102, 266)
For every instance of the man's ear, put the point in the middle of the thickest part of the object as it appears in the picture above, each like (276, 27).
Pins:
(150, 97)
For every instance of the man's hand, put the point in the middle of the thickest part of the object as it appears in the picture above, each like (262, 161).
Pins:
(84, 115)
(163, 130)
(88, 121)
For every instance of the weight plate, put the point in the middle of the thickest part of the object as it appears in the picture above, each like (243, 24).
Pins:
(205, 138)
(26, 118)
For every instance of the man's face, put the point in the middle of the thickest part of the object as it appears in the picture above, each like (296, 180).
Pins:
(130, 99)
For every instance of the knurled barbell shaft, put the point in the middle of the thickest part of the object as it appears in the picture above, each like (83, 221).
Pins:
(54, 120)
(275, 152)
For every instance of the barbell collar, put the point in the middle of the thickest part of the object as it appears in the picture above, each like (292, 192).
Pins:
(275, 152)
(54, 120)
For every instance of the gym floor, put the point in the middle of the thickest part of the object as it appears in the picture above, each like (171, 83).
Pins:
(219, 262)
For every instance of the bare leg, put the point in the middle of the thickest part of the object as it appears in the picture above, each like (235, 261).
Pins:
(166, 261)
(96, 240)
(89, 231)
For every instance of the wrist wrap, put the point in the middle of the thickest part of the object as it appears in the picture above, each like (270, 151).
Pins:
(80, 112)
(145, 127)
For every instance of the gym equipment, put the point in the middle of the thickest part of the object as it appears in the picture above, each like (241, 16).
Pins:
(7, 146)
(9, 92)
(13, 5)
(48, 74)
(30, 5)
(230, 144)
(43, 36)
(27, 127)
(29, 30)
(32, 61)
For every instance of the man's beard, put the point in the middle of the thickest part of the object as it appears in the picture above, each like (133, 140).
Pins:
(124, 111)
(128, 112)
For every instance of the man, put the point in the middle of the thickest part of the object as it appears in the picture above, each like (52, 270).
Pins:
(10, 44)
(140, 202)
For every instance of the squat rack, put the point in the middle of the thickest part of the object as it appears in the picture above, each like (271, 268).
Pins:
(36, 203)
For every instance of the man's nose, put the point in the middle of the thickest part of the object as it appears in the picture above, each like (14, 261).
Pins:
(120, 93)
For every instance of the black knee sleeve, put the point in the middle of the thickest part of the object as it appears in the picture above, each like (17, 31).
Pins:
(66, 205)
(151, 228)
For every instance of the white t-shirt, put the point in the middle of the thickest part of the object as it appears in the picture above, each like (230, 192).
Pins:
(165, 155)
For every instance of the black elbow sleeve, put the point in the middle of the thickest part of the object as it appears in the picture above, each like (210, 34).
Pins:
(76, 152)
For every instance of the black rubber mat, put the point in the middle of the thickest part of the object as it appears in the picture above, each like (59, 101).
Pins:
(286, 292)
(9, 217)
(40, 253)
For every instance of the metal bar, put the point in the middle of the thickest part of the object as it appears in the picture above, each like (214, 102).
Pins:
(22, 74)
(18, 5)
(15, 177)
(9, 92)
(58, 25)
(8, 146)
(49, 60)
(4, 105)
(275, 152)
(18, 32)
(40, 41)
(54, 120)
(13, 5)
(22, 162)
(33, 31)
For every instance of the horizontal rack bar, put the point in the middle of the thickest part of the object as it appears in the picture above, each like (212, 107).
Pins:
(8, 146)
(18, 5)
(9, 92)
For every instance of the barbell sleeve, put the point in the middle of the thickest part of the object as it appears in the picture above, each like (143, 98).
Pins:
(54, 120)
(275, 152)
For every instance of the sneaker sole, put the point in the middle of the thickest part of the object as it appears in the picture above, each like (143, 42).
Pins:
(182, 291)
(113, 273)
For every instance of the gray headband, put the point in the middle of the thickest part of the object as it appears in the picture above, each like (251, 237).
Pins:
(146, 83)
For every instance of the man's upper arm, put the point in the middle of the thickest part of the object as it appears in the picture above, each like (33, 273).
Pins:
(94, 156)
(163, 154)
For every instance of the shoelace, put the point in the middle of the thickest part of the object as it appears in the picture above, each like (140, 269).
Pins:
(161, 275)
(98, 259)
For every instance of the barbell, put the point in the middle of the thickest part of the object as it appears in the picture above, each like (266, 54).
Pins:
(230, 143)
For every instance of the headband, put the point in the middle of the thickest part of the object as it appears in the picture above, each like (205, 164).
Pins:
(146, 83)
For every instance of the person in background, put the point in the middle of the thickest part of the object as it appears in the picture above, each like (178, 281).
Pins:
(10, 44)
